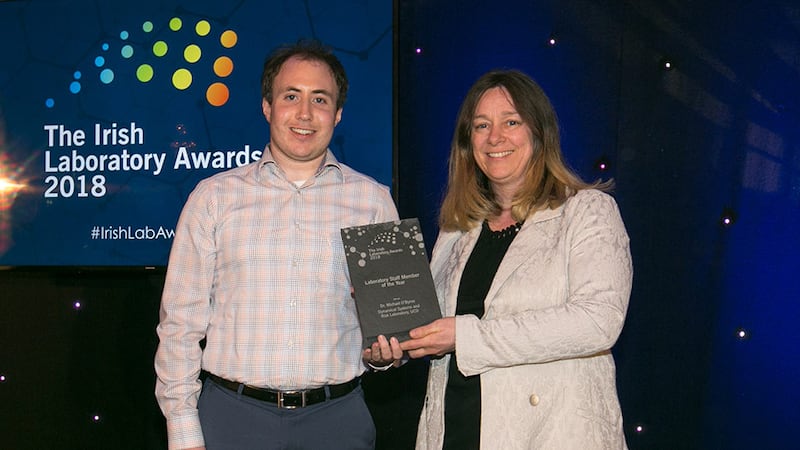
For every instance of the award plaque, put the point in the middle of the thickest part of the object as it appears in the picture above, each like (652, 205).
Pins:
(391, 278)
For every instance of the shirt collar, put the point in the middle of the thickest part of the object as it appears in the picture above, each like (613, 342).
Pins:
(329, 165)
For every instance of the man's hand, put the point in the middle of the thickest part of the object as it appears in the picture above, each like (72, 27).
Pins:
(383, 353)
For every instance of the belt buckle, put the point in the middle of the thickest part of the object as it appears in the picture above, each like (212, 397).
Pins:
(281, 399)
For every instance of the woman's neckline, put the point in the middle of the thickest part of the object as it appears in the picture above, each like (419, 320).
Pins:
(509, 230)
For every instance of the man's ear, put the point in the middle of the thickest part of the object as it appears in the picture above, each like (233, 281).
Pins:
(266, 108)
(338, 117)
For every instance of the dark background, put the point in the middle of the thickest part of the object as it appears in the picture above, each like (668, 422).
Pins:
(716, 136)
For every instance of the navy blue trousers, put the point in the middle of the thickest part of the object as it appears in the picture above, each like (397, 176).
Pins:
(231, 421)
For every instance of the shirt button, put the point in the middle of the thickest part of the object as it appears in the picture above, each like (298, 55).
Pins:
(534, 399)
(290, 344)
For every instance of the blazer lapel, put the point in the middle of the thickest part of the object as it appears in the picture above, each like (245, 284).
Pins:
(530, 236)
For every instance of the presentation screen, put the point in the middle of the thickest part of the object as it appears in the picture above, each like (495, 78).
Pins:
(111, 112)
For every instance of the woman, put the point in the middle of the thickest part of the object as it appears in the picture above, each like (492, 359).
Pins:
(533, 272)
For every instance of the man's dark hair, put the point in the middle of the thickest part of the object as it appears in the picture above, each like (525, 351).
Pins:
(307, 50)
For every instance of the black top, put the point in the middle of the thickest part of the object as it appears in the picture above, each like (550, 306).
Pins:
(462, 404)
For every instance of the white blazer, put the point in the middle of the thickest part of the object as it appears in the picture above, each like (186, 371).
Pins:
(554, 310)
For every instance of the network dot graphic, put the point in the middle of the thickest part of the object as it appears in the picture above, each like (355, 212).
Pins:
(160, 48)
(106, 76)
(223, 66)
(228, 39)
(75, 86)
(153, 65)
(144, 73)
(217, 94)
(408, 236)
(182, 79)
(202, 28)
(192, 53)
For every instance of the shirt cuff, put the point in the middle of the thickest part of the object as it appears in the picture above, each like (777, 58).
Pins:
(185, 432)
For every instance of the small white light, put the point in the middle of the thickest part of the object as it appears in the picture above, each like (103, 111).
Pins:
(741, 333)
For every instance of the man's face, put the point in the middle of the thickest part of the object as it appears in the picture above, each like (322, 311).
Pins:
(302, 115)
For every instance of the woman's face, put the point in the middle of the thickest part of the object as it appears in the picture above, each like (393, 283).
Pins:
(501, 143)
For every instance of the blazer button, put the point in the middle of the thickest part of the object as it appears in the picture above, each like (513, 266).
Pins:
(534, 399)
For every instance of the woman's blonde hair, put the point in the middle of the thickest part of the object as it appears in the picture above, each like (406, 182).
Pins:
(548, 180)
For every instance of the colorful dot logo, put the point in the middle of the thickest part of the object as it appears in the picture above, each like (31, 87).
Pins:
(190, 45)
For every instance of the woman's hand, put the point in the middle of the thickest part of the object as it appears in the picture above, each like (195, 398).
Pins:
(437, 338)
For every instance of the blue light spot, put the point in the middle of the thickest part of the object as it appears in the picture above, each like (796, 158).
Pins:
(107, 76)
(99, 61)
(77, 75)
(123, 35)
(126, 51)
(74, 87)
(49, 103)
(104, 47)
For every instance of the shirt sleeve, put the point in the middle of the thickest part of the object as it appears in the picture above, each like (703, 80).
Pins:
(184, 317)
(387, 211)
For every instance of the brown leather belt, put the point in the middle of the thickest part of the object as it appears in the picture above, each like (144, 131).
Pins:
(289, 399)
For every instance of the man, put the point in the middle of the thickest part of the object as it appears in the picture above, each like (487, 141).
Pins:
(257, 270)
